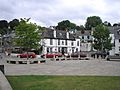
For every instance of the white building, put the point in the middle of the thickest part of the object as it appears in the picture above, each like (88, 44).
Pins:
(115, 34)
(86, 40)
(57, 41)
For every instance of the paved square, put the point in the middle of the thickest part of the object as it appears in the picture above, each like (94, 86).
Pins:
(70, 67)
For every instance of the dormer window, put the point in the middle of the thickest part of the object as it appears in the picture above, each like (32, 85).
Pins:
(118, 31)
(60, 34)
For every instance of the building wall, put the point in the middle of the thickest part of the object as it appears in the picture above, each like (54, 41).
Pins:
(55, 48)
(117, 46)
(86, 46)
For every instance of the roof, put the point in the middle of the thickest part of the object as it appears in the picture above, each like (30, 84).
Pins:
(86, 33)
(48, 33)
(115, 31)
(60, 34)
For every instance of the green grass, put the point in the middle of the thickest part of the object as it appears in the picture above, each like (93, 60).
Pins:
(64, 82)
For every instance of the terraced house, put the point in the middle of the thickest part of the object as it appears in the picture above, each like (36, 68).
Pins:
(59, 41)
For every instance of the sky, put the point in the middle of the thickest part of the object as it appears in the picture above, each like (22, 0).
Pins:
(50, 12)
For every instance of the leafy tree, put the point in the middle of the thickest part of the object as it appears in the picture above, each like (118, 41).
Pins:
(13, 24)
(3, 27)
(81, 27)
(92, 21)
(28, 35)
(102, 40)
(65, 25)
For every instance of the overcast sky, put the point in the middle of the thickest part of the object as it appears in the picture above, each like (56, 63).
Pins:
(50, 12)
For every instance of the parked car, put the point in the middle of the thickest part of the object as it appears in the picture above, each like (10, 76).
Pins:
(51, 55)
(102, 54)
(83, 55)
(27, 54)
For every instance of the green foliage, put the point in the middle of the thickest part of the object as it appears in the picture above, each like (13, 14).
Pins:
(81, 27)
(13, 24)
(65, 25)
(92, 21)
(102, 39)
(28, 35)
(64, 82)
(3, 27)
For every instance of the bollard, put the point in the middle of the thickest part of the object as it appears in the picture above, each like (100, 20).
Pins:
(2, 68)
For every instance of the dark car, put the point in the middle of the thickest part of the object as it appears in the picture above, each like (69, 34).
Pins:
(27, 54)
(99, 54)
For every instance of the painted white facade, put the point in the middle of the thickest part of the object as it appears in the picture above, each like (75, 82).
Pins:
(56, 45)
(86, 45)
(115, 35)
(117, 46)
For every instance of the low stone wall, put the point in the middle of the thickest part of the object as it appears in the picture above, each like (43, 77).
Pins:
(4, 84)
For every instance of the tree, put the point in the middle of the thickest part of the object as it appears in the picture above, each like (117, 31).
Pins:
(92, 22)
(81, 27)
(65, 25)
(3, 27)
(28, 35)
(13, 24)
(102, 40)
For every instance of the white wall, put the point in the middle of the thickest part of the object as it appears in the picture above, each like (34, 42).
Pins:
(117, 45)
(55, 45)
(85, 46)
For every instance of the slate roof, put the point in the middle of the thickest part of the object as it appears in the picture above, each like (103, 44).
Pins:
(86, 33)
(60, 34)
(48, 33)
(115, 31)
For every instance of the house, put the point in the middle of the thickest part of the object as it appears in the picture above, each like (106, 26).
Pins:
(86, 39)
(59, 41)
(115, 34)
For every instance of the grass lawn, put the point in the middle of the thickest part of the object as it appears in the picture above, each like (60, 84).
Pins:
(64, 82)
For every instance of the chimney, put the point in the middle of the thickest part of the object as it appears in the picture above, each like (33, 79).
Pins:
(54, 32)
(68, 35)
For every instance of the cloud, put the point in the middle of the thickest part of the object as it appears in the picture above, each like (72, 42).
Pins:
(47, 12)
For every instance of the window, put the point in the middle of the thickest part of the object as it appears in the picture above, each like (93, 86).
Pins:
(77, 43)
(72, 43)
(82, 37)
(119, 40)
(119, 48)
(59, 49)
(62, 42)
(51, 42)
(88, 37)
(48, 50)
(58, 42)
(76, 49)
(65, 42)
